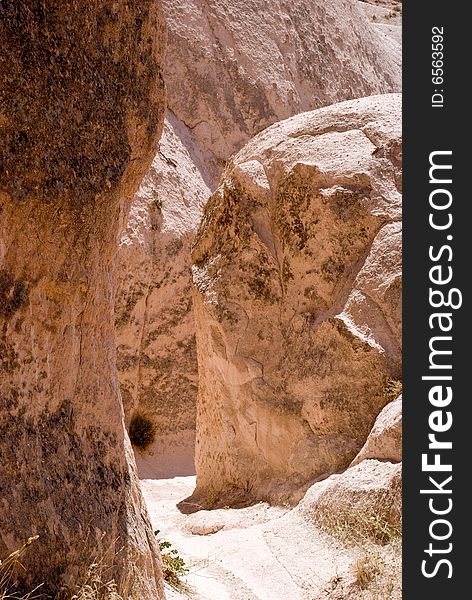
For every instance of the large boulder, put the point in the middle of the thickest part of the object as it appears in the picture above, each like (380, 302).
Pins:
(233, 68)
(362, 504)
(385, 439)
(82, 110)
(297, 274)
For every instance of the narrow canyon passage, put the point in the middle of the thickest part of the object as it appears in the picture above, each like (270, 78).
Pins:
(254, 553)
(296, 299)
(200, 262)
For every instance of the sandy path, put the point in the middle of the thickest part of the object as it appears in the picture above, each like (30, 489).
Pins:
(255, 553)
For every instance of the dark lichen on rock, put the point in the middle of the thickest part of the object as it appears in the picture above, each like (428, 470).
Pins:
(13, 293)
(67, 135)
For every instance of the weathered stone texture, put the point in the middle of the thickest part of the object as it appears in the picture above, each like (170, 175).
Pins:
(82, 107)
(297, 273)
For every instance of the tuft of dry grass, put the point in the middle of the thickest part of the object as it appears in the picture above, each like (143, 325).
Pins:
(393, 388)
(377, 575)
(8, 567)
(98, 582)
(365, 569)
(354, 526)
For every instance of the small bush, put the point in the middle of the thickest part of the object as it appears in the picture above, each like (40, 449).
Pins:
(142, 431)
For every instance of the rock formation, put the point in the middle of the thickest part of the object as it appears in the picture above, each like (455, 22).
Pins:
(385, 439)
(81, 112)
(365, 500)
(154, 321)
(297, 273)
(233, 68)
(386, 16)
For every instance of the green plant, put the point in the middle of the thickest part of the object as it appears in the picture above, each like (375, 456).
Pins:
(142, 431)
(173, 565)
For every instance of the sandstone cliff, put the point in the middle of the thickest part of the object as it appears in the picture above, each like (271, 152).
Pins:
(233, 68)
(154, 320)
(81, 111)
(297, 273)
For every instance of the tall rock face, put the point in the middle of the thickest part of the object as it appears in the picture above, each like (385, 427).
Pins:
(82, 107)
(154, 321)
(297, 273)
(233, 67)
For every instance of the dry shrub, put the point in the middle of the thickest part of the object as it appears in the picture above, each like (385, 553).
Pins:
(142, 431)
(98, 583)
(365, 570)
(393, 389)
(355, 525)
(378, 576)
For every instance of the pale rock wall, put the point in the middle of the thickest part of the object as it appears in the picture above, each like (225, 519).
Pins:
(385, 439)
(154, 321)
(233, 68)
(365, 500)
(297, 274)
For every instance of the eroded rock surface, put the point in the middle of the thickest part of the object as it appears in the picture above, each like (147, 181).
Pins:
(297, 273)
(82, 110)
(154, 321)
(233, 68)
(385, 439)
(363, 502)
(385, 16)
